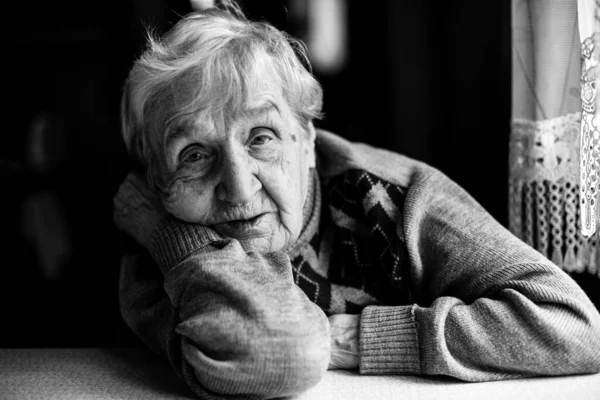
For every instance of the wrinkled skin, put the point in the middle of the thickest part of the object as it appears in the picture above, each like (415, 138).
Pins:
(245, 176)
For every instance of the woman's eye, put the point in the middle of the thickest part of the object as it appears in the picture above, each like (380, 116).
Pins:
(261, 140)
(262, 137)
(192, 155)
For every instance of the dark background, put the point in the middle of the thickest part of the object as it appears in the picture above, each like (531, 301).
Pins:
(432, 82)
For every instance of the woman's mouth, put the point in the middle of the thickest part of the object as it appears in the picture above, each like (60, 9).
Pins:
(243, 228)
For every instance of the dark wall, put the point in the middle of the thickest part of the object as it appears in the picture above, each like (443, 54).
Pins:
(430, 82)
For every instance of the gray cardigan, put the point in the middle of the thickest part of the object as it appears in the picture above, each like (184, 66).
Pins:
(441, 287)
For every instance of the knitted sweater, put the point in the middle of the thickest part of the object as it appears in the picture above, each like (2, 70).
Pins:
(441, 287)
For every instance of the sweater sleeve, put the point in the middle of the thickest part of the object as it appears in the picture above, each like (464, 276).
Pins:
(232, 323)
(487, 305)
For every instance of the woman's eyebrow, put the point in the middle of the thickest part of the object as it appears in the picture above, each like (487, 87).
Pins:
(180, 126)
(260, 110)
(178, 129)
(179, 132)
(174, 134)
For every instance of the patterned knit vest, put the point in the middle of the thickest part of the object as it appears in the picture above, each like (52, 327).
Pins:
(352, 252)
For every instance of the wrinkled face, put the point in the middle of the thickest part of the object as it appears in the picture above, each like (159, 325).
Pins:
(245, 176)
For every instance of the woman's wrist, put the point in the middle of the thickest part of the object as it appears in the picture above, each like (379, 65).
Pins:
(172, 240)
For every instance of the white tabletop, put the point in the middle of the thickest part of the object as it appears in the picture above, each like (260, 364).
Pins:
(108, 373)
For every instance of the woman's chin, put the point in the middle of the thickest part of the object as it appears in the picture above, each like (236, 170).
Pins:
(277, 241)
(258, 245)
(263, 235)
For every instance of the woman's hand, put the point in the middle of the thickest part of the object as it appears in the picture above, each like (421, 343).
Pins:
(344, 341)
(137, 209)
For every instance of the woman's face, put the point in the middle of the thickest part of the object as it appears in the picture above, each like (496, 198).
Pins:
(245, 177)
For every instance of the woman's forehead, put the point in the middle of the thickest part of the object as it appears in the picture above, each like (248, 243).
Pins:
(208, 118)
(255, 105)
(231, 93)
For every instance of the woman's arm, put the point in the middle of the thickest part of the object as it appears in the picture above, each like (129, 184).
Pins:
(231, 322)
(489, 307)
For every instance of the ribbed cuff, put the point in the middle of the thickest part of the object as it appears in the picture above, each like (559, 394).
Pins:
(173, 240)
(388, 341)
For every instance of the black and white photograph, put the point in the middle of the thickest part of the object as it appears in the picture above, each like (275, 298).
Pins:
(301, 199)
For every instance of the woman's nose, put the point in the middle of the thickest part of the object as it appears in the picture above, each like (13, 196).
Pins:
(238, 184)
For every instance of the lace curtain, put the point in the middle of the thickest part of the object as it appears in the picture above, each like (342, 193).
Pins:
(555, 137)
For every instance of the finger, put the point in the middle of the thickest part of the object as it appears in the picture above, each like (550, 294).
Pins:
(340, 359)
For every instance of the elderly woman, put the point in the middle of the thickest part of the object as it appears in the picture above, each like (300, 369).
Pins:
(264, 250)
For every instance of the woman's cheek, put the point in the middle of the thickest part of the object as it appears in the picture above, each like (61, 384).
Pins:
(187, 204)
(278, 185)
(284, 189)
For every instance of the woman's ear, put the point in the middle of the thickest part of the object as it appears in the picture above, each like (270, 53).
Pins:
(309, 148)
(312, 132)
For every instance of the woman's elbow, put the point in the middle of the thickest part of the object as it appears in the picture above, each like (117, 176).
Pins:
(300, 365)
(270, 366)
(586, 353)
(579, 343)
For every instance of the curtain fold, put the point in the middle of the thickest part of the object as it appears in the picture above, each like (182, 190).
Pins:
(555, 141)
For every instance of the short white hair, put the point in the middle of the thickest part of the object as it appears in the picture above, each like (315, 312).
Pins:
(205, 62)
